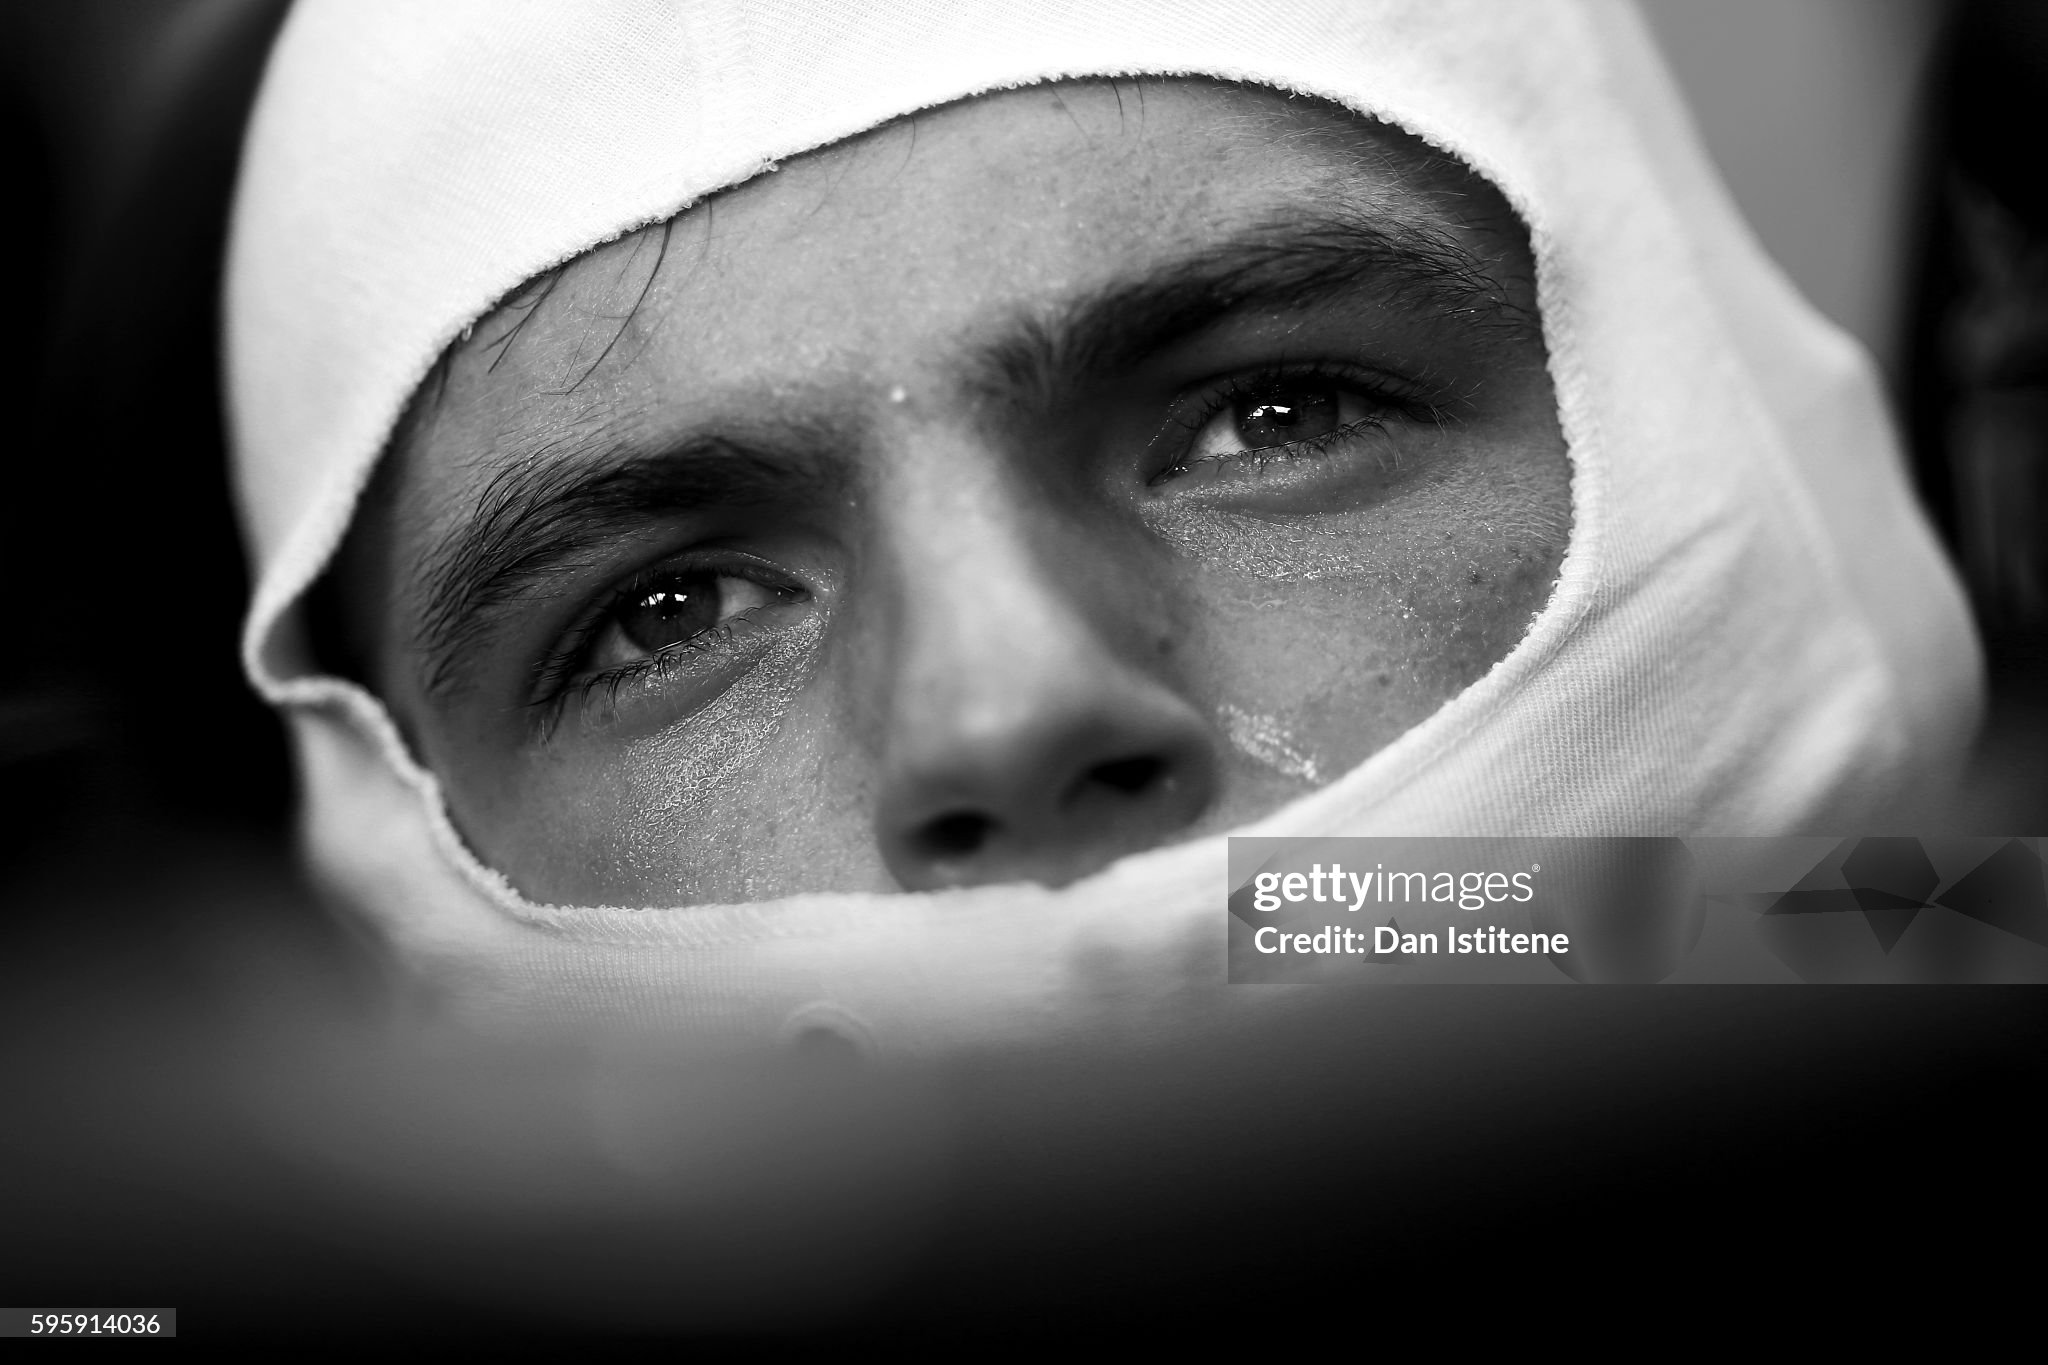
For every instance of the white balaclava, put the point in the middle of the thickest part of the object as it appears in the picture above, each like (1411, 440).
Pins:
(1753, 632)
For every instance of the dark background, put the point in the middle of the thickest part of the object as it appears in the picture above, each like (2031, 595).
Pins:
(1733, 1147)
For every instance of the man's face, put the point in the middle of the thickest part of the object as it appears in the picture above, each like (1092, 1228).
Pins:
(1051, 476)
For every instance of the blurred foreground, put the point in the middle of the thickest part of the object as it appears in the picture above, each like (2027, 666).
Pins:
(218, 1101)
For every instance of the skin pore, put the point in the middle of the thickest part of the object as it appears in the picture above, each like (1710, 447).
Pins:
(1051, 476)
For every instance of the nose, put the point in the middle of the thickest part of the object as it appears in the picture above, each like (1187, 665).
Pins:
(1046, 782)
(1028, 735)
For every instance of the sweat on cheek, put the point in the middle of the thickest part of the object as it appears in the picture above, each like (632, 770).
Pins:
(1290, 550)
(680, 810)
(1264, 739)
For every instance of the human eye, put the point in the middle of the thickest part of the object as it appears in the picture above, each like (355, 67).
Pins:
(690, 624)
(1236, 428)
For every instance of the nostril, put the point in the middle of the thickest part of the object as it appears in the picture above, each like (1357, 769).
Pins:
(1130, 776)
(956, 835)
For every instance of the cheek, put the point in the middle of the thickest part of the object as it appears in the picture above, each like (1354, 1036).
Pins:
(718, 807)
(1326, 638)
(1307, 679)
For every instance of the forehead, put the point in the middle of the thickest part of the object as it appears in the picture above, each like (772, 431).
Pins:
(849, 264)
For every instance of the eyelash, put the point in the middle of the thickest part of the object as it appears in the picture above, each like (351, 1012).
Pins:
(556, 680)
(1386, 394)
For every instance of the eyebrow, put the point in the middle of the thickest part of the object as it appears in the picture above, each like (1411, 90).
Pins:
(560, 498)
(1284, 265)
